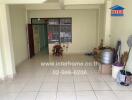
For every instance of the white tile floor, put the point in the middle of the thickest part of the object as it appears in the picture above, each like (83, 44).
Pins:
(36, 82)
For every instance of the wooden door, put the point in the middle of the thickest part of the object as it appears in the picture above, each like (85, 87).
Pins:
(31, 40)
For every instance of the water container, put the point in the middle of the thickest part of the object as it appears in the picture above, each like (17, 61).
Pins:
(115, 70)
(107, 56)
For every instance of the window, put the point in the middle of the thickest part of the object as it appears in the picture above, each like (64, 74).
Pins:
(60, 30)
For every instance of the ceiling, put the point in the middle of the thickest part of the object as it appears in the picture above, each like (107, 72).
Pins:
(66, 2)
(56, 4)
(69, 2)
(51, 1)
(21, 1)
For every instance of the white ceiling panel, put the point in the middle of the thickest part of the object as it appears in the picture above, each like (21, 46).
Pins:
(74, 2)
(21, 1)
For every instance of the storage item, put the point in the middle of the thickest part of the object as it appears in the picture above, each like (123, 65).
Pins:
(124, 78)
(121, 76)
(124, 58)
(117, 52)
(124, 73)
(107, 56)
(129, 41)
(105, 68)
(115, 70)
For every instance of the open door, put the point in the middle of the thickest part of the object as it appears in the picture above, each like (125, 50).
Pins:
(40, 38)
(31, 40)
(46, 48)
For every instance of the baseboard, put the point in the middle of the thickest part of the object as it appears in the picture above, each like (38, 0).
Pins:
(21, 62)
(8, 77)
(70, 53)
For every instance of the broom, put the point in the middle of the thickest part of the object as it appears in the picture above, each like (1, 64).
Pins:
(129, 42)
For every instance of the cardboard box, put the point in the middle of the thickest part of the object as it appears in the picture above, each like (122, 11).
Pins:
(105, 69)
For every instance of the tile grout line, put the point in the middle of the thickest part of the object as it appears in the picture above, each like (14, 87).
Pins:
(40, 88)
(58, 81)
(74, 83)
(111, 90)
(93, 89)
(57, 85)
(21, 89)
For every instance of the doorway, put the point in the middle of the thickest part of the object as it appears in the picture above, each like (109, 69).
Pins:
(39, 36)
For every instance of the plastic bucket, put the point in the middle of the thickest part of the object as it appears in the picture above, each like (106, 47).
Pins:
(115, 70)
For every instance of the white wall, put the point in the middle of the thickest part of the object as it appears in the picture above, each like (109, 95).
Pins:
(1, 66)
(84, 27)
(101, 23)
(6, 45)
(107, 23)
(122, 27)
(2, 71)
(18, 26)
